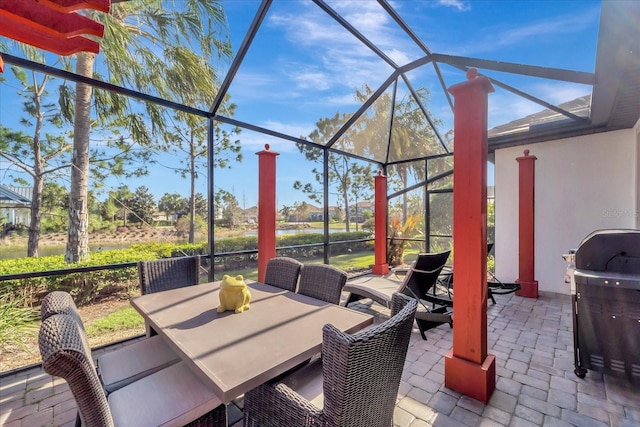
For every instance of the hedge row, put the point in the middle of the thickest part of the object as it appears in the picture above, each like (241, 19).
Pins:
(87, 286)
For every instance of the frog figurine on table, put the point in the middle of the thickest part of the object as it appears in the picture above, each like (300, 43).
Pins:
(234, 294)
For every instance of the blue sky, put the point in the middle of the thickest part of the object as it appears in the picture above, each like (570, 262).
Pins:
(303, 66)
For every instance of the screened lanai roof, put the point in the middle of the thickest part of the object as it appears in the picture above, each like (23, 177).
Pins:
(384, 86)
(403, 69)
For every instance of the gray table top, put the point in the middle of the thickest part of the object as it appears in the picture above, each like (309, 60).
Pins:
(235, 353)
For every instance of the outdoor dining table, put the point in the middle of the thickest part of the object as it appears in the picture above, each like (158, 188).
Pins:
(236, 352)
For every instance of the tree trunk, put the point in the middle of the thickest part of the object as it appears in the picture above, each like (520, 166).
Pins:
(38, 181)
(36, 215)
(345, 198)
(78, 235)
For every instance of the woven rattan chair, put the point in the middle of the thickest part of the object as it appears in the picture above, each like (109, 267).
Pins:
(354, 384)
(283, 272)
(124, 365)
(168, 273)
(322, 281)
(172, 396)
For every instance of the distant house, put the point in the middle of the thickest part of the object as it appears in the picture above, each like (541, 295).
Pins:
(250, 215)
(15, 203)
(317, 214)
(357, 212)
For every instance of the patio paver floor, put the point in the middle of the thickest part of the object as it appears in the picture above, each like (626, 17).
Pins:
(535, 386)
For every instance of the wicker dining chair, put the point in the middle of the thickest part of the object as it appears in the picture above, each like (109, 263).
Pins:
(283, 272)
(168, 273)
(124, 365)
(322, 281)
(355, 383)
(172, 396)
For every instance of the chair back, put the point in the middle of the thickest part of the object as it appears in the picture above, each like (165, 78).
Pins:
(60, 302)
(362, 371)
(66, 353)
(423, 275)
(323, 282)
(283, 272)
(168, 273)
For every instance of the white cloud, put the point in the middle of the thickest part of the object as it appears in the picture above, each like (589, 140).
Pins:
(256, 141)
(462, 6)
(505, 107)
(557, 93)
(340, 57)
(497, 38)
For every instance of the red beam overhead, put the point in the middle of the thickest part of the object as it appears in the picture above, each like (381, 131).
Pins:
(52, 25)
(75, 5)
(47, 41)
(40, 17)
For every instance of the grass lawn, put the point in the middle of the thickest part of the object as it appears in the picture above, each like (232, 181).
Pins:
(123, 318)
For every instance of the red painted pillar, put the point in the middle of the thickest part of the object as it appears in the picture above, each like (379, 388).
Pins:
(526, 226)
(380, 266)
(468, 368)
(266, 209)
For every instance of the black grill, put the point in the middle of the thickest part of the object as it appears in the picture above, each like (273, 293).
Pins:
(606, 304)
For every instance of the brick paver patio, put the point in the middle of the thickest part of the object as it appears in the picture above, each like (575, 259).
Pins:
(531, 338)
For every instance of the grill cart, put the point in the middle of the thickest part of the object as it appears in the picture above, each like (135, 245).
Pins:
(606, 304)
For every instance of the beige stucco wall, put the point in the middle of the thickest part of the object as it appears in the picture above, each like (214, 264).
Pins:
(582, 184)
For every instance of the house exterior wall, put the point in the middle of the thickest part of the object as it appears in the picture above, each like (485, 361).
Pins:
(582, 184)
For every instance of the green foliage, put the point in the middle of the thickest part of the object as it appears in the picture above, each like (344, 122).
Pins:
(84, 286)
(141, 206)
(16, 321)
(184, 223)
(125, 318)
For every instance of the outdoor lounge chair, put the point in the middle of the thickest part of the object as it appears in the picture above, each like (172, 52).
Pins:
(168, 273)
(495, 286)
(355, 383)
(419, 282)
(323, 282)
(120, 367)
(173, 396)
(283, 272)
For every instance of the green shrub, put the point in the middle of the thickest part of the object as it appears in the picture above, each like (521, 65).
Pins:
(85, 287)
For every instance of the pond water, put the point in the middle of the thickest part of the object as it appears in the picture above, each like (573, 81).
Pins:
(47, 250)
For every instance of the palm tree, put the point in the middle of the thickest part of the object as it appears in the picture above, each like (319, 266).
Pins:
(147, 47)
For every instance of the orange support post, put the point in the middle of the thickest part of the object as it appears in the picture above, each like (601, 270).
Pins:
(380, 267)
(526, 227)
(1, 64)
(266, 209)
(468, 367)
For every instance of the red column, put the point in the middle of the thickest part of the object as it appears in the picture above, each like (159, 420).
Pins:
(468, 367)
(526, 226)
(266, 209)
(380, 266)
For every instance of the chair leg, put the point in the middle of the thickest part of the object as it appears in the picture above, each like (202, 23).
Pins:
(493, 300)
(352, 298)
(421, 329)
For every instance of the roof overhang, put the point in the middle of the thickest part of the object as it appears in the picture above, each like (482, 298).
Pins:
(615, 100)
